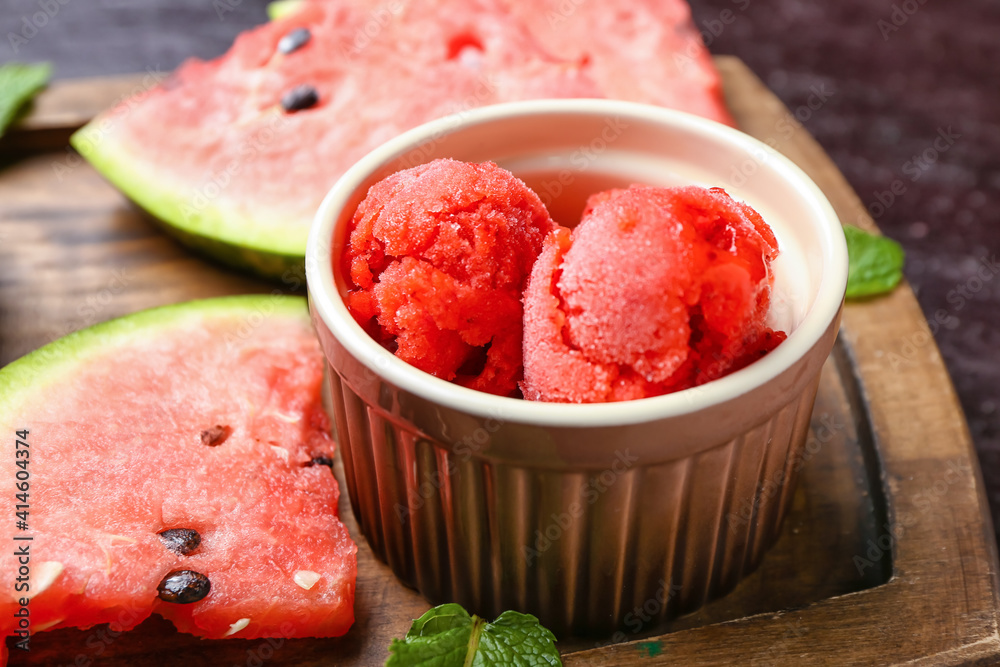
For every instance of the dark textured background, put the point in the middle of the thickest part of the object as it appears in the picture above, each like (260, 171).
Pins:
(890, 92)
(883, 78)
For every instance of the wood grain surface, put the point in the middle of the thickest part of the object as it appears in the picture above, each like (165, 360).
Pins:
(887, 555)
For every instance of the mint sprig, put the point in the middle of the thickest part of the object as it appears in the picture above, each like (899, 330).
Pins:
(875, 263)
(446, 636)
(18, 84)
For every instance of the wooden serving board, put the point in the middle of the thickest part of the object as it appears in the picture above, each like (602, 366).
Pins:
(886, 557)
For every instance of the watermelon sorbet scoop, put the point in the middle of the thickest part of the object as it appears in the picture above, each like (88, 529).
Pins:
(656, 290)
(437, 260)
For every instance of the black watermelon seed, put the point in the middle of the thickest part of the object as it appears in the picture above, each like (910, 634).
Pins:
(299, 98)
(294, 40)
(184, 587)
(180, 540)
(321, 460)
(216, 435)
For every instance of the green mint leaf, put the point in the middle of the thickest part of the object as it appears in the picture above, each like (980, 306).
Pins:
(446, 636)
(18, 84)
(440, 619)
(439, 638)
(875, 263)
(518, 640)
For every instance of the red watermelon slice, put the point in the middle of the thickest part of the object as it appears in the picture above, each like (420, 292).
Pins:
(639, 50)
(203, 419)
(235, 155)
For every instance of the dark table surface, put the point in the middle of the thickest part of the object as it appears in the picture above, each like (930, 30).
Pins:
(880, 84)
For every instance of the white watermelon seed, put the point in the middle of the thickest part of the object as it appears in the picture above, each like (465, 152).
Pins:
(289, 419)
(44, 576)
(237, 626)
(294, 40)
(42, 627)
(306, 578)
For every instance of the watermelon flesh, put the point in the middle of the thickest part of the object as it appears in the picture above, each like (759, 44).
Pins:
(640, 50)
(213, 154)
(116, 415)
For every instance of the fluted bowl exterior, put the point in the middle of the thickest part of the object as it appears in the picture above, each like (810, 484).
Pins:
(594, 518)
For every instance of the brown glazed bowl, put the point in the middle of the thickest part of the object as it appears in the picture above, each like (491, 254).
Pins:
(595, 518)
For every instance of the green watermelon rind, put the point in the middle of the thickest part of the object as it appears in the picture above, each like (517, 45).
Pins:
(25, 379)
(224, 235)
(279, 9)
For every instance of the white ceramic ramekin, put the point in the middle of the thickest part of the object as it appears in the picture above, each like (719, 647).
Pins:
(582, 514)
